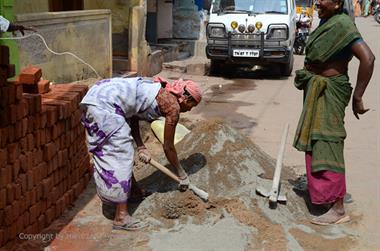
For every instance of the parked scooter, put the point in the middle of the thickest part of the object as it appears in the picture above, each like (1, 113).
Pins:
(302, 32)
(376, 12)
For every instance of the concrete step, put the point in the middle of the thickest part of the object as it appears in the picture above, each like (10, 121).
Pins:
(192, 66)
(125, 74)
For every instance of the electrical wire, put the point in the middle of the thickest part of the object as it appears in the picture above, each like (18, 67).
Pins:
(54, 52)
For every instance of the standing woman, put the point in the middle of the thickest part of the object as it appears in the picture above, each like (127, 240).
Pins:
(112, 109)
(327, 92)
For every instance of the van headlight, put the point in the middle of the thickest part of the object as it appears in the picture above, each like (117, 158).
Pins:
(278, 32)
(216, 31)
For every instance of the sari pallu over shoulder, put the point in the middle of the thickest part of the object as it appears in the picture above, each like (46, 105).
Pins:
(329, 38)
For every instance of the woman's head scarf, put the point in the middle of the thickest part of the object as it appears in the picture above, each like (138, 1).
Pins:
(178, 88)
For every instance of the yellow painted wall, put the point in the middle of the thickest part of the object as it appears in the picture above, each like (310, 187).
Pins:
(119, 8)
(28, 6)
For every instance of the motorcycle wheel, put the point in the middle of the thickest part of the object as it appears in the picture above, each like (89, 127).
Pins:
(377, 17)
(299, 48)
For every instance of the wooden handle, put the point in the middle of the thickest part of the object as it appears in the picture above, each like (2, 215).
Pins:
(164, 170)
(277, 172)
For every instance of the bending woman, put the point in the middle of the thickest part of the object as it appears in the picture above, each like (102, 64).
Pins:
(327, 92)
(112, 109)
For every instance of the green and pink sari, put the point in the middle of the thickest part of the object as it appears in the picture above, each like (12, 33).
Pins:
(320, 132)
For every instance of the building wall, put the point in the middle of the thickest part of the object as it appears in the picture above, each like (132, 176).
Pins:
(27, 6)
(71, 31)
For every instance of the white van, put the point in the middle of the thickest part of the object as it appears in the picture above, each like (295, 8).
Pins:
(251, 32)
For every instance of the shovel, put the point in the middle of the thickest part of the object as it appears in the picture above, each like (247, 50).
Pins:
(274, 193)
(202, 194)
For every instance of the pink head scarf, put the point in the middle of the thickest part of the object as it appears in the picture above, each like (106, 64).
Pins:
(179, 86)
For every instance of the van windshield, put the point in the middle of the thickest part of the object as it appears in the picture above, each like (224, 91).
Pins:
(250, 6)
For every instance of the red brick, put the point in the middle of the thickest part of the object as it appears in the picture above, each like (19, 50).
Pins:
(13, 231)
(10, 194)
(24, 126)
(50, 214)
(4, 101)
(81, 89)
(33, 196)
(3, 157)
(13, 152)
(29, 157)
(12, 114)
(30, 75)
(43, 86)
(23, 183)
(4, 55)
(19, 224)
(44, 169)
(43, 118)
(5, 176)
(8, 213)
(23, 163)
(12, 93)
(29, 180)
(28, 199)
(18, 130)
(34, 103)
(39, 192)
(51, 114)
(63, 107)
(4, 117)
(19, 91)
(15, 210)
(2, 237)
(41, 222)
(16, 169)
(38, 157)
(11, 134)
(50, 150)
(34, 213)
(3, 198)
(30, 140)
(26, 218)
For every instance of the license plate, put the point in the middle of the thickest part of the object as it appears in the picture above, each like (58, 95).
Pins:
(246, 53)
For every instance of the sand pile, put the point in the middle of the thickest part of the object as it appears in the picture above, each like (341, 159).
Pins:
(228, 166)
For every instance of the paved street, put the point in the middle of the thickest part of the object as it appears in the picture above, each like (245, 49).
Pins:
(260, 104)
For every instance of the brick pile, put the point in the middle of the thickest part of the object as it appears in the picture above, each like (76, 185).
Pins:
(44, 163)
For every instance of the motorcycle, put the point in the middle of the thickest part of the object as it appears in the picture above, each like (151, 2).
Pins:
(302, 33)
(376, 12)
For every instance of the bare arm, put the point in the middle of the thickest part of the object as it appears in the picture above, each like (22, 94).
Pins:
(367, 59)
(170, 151)
(135, 131)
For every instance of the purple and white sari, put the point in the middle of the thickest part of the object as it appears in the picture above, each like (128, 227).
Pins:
(107, 108)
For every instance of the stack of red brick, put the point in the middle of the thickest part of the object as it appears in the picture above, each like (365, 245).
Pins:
(44, 164)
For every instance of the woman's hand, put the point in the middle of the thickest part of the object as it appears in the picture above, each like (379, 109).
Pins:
(144, 154)
(358, 107)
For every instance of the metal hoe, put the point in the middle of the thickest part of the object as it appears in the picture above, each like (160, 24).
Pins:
(274, 193)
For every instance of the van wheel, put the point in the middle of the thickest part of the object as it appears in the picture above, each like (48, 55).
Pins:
(286, 69)
(215, 67)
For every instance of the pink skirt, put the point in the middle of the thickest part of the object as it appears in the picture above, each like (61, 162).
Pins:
(324, 186)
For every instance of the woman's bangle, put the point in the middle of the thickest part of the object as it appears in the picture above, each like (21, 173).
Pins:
(141, 148)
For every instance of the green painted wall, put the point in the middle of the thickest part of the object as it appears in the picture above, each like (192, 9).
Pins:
(6, 10)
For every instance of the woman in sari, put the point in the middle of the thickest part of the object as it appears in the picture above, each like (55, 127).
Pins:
(327, 91)
(112, 109)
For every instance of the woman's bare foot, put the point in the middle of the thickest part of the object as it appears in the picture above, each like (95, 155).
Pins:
(335, 215)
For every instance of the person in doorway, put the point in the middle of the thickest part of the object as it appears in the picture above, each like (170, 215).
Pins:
(6, 26)
(367, 7)
(357, 8)
(327, 92)
(111, 110)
